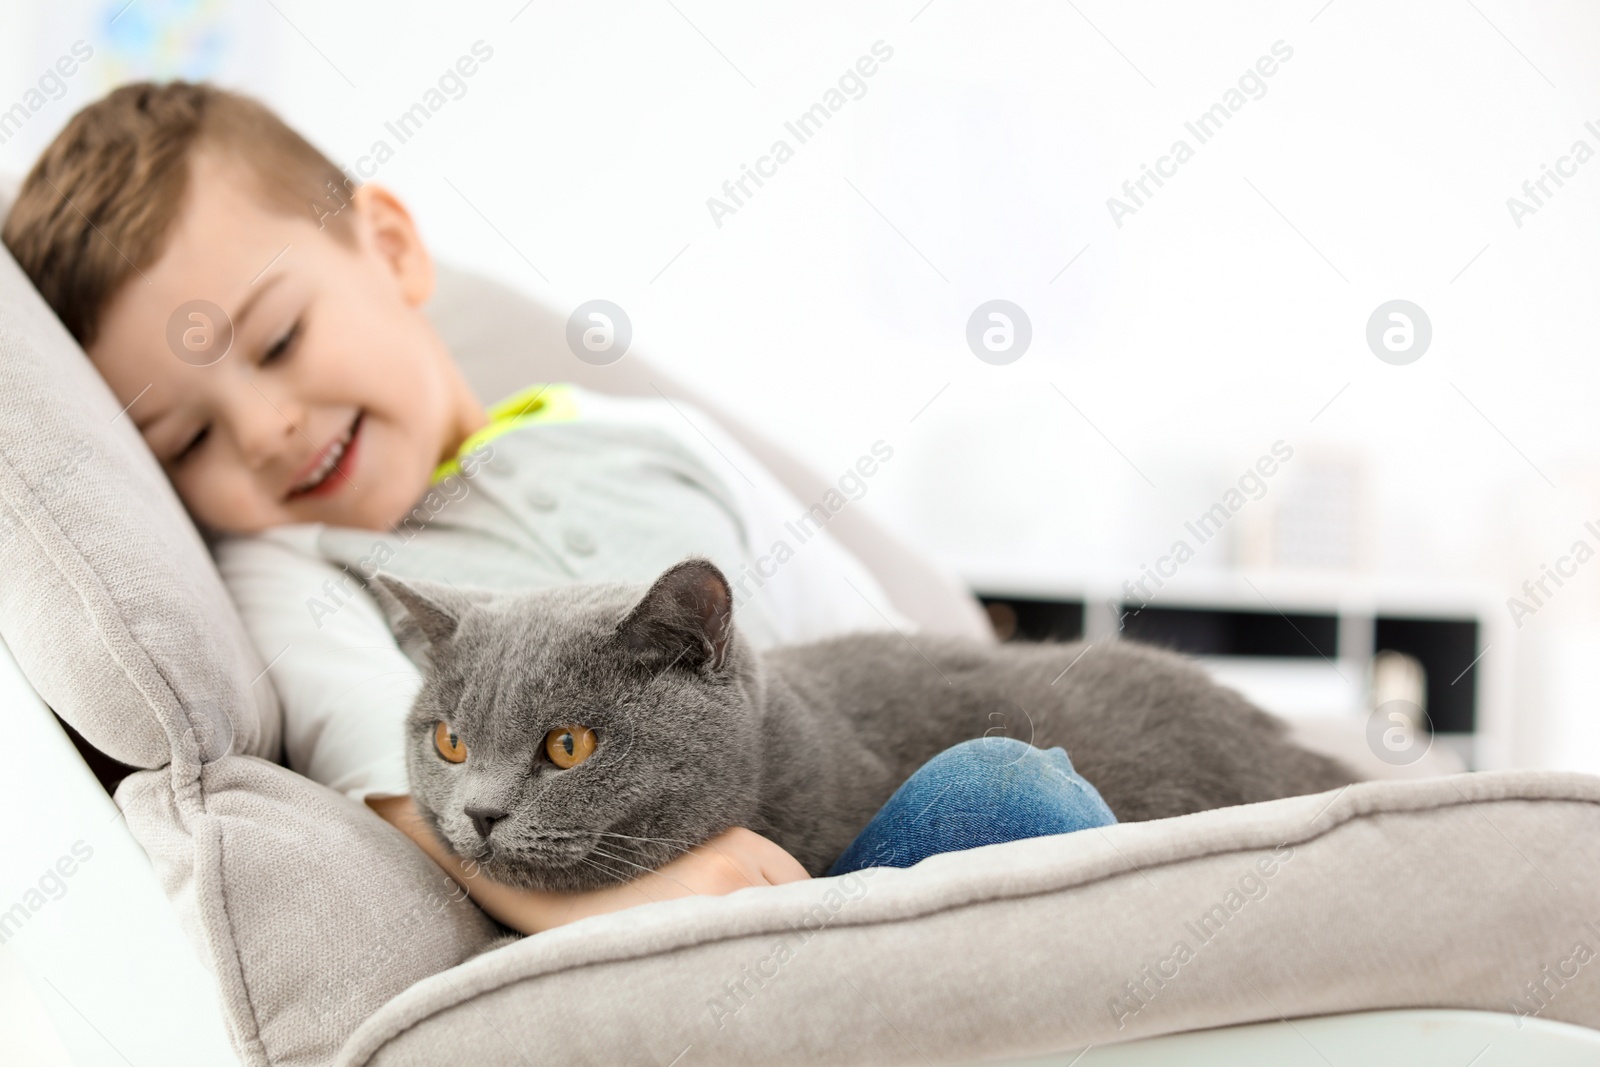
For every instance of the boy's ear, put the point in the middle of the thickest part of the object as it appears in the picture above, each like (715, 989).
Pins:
(387, 231)
(686, 619)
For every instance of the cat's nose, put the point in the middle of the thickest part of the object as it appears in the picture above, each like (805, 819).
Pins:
(483, 819)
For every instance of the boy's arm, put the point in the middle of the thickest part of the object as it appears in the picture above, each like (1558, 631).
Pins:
(737, 859)
(343, 682)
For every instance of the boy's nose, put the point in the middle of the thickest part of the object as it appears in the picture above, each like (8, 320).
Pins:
(483, 819)
(267, 430)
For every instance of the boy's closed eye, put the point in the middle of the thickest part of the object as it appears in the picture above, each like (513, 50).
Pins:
(188, 450)
(281, 348)
(278, 350)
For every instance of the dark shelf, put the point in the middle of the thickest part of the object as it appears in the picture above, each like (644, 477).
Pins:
(1207, 632)
(1018, 619)
(1446, 647)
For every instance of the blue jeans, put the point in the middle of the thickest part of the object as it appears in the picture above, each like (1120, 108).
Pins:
(980, 792)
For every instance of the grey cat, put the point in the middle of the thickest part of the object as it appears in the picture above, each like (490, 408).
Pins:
(572, 737)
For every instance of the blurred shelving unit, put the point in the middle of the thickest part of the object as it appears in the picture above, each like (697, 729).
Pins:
(1299, 644)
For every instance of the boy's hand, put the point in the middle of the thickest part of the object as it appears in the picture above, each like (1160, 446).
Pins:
(735, 859)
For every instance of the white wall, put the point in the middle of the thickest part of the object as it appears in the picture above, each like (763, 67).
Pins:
(1220, 318)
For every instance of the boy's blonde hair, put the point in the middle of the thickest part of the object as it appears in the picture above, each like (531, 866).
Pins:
(98, 205)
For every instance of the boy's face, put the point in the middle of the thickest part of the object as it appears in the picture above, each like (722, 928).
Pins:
(335, 400)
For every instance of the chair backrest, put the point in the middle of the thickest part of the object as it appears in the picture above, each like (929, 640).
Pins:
(503, 341)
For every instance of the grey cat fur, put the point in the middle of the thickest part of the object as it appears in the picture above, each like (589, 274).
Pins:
(698, 732)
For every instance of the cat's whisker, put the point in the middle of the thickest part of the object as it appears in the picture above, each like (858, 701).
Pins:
(668, 840)
(653, 840)
(664, 840)
(602, 868)
(620, 877)
(620, 859)
(631, 837)
(714, 848)
(629, 845)
(623, 878)
(647, 870)
(630, 875)
(613, 872)
(718, 851)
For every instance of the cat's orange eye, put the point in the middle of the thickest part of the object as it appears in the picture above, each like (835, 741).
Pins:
(449, 745)
(568, 746)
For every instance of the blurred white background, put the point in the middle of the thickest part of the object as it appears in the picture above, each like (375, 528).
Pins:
(1228, 313)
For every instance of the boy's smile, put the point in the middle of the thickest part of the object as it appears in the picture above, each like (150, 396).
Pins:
(333, 401)
(328, 472)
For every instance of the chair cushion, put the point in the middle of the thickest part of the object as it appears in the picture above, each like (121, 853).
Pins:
(311, 911)
(1467, 891)
(110, 601)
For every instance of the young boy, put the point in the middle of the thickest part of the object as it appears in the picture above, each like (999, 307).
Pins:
(277, 360)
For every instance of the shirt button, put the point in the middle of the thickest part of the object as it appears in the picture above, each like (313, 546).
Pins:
(579, 543)
(539, 500)
(501, 464)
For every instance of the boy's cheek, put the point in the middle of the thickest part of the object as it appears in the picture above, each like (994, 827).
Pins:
(227, 503)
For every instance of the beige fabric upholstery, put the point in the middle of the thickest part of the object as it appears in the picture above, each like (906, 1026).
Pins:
(311, 911)
(109, 598)
(1448, 892)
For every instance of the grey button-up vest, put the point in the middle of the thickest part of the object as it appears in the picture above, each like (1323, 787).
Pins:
(554, 503)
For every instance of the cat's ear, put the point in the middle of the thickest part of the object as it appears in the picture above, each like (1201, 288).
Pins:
(686, 618)
(426, 610)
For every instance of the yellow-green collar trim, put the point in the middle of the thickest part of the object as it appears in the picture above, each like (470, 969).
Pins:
(536, 403)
